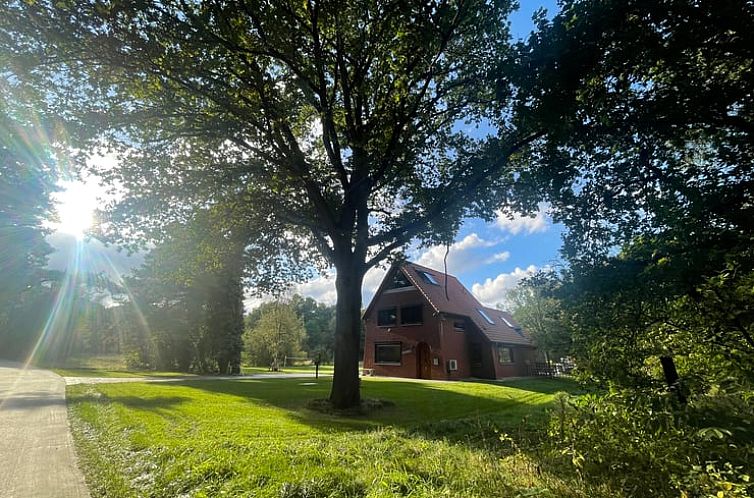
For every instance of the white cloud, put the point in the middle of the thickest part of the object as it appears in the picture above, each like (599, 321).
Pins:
(494, 291)
(322, 289)
(460, 256)
(499, 257)
(515, 223)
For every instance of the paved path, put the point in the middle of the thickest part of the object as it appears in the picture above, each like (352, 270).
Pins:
(37, 458)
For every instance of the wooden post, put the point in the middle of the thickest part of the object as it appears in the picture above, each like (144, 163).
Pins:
(671, 377)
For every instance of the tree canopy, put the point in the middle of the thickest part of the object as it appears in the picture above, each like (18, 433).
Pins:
(648, 161)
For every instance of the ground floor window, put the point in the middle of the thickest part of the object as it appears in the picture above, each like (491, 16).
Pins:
(387, 353)
(505, 354)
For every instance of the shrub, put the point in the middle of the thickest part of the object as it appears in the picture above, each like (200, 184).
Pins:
(647, 444)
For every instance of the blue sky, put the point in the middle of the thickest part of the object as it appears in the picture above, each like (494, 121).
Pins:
(489, 258)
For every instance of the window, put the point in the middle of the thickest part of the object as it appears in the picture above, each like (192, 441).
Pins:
(428, 277)
(485, 316)
(507, 322)
(387, 317)
(400, 281)
(504, 354)
(459, 324)
(387, 353)
(411, 315)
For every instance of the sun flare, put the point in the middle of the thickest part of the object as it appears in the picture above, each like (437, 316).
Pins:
(76, 203)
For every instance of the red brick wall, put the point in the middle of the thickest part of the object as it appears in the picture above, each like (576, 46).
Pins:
(445, 343)
(520, 366)
(455, 347)
(408, 335)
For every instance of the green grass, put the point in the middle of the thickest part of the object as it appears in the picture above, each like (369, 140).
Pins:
(97, 372)
(323, 369)
(256, 438)
(119, 371)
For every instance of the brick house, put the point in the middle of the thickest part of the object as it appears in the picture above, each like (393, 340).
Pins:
(417, 327)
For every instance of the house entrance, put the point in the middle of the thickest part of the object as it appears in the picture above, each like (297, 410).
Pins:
(480, 368)
(423, 361)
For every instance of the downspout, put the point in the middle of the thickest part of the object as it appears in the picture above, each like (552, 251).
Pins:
(441, 356)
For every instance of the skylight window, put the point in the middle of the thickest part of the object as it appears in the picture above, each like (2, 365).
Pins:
(428, 277)
(485, 316)
(507, 322)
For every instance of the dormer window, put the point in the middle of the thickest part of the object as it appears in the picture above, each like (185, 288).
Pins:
(485, 316)
(428, 277)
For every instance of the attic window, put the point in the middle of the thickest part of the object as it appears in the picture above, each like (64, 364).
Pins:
(507, 322)
(400, 280)
(428, 277)
(485, 316)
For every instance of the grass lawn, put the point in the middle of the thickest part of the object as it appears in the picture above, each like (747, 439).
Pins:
(97, 372)
(323, 369)
(124, 372)
(256, 438)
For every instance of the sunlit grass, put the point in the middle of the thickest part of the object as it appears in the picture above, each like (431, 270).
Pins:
(323, 369)
(256, 437)
(96, 372)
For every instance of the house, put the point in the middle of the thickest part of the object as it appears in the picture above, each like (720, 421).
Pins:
(419, 327)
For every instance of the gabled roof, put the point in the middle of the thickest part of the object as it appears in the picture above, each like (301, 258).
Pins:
(459, 301)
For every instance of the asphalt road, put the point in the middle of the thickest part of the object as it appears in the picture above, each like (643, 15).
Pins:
(37, 458)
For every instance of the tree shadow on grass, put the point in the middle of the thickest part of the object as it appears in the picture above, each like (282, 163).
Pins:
(156, 403)
(446, 410)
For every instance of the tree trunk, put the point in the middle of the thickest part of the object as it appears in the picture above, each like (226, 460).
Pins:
(671, 377)
(345, 387)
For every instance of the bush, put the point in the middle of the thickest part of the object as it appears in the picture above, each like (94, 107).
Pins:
(648, 445)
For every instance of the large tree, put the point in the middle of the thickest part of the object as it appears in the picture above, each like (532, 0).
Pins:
(189, 290)
(347, 129)
(649, 161)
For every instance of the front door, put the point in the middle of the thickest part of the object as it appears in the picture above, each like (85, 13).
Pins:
(423, 361)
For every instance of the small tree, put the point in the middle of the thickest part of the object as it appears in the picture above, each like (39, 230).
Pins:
(278, 333)
(540, 313)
